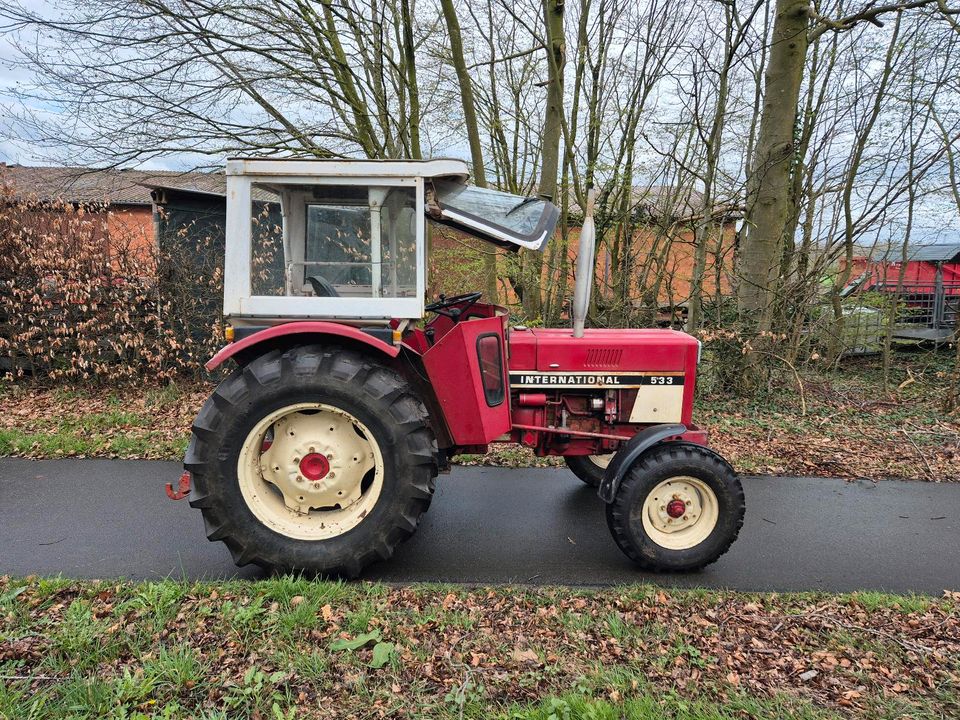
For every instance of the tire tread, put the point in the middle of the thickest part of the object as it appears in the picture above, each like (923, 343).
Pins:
(379, 384)
(618, 514)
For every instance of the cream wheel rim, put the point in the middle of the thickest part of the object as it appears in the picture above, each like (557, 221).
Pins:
(302, 471)
(601, 461)
(667, 525)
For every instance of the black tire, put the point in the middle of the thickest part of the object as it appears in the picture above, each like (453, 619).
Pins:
(585, 469)
(376, 395)
(673, 459)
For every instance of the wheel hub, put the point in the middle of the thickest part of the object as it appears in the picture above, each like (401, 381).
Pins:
(314, 466)
(674, 506)
(316, 460)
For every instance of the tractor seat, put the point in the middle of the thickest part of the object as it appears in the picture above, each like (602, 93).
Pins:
(322, 288)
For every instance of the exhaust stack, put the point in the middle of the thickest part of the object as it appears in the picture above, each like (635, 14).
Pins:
(583, 285)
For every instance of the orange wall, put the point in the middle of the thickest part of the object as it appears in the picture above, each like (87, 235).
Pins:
(121, 230)
(131, 229)
(456, 264)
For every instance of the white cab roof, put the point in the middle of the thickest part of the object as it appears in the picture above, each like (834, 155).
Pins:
(441, 167)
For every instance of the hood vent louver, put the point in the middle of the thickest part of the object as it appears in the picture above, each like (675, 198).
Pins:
(603, 358)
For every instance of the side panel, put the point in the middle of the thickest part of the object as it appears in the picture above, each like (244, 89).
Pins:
(453, 366)
(300, 328)
(659, 401)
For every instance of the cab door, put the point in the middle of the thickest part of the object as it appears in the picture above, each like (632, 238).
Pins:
(467, 370)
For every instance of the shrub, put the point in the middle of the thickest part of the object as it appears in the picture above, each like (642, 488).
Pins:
(83, 298)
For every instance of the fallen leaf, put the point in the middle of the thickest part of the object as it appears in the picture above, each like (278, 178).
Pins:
(525, 656)
(356, 643)
(382, 652)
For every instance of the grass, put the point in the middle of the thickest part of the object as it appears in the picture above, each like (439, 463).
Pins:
(84, 438)
(127, 422)
(279, 648)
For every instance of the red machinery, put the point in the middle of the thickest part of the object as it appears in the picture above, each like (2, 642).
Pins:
(319, 452)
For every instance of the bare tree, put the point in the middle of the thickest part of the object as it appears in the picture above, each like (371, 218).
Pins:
(768, 206)
(132, 81)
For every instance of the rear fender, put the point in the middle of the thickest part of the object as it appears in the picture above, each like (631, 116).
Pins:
(308, 331)
(628, 454)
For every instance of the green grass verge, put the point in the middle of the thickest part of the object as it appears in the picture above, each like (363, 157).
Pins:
(86, 437)
(289, 647)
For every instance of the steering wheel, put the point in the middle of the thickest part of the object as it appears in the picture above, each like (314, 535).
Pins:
(446, 305)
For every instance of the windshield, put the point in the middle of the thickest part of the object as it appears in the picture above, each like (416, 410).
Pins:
(496, 216)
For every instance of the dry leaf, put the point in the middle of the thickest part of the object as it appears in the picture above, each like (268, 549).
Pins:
(525, 656)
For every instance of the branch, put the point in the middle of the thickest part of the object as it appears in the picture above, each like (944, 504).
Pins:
(505, 58)
(870, 14)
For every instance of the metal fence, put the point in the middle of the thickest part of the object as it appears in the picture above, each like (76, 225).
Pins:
(925, 311)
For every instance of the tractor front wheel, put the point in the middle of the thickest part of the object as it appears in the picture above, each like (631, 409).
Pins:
(679, 507)
(589, 468)
(316, 459)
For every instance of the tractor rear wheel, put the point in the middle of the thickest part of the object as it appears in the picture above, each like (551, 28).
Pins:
(589, 468)
(680, 507)
(317, 459)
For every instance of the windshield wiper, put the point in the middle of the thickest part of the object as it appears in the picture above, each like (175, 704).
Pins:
(525, 201)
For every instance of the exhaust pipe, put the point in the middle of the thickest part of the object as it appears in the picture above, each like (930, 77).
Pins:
(583, 284)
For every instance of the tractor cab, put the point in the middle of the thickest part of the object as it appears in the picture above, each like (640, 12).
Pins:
(346, 239)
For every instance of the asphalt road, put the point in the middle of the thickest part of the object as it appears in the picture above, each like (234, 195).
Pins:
(110, 518)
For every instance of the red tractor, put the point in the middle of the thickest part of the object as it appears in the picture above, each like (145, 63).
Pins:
(319, 452)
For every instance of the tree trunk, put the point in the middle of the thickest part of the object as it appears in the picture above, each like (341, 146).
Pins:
(410, 63)
(550, 153)
(768, 207)
(473, 131)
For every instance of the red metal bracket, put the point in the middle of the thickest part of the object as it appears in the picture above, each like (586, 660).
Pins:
(568, 431)
(183, 489)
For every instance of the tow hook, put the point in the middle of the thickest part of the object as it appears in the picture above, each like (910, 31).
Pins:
(183, 488)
